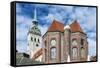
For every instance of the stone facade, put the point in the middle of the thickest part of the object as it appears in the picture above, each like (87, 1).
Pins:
(60, 42)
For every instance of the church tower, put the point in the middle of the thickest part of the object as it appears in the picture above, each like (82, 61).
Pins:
(34, 37)
(78, 43)
(52, 42)
(65, 44)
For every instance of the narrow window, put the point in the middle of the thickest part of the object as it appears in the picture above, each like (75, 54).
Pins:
(31, 38)
(74, 53)
(82, 41)
(45, 44)
(82, 52)
(38, 41)
(74, 42)
(53, 53)
(34, 39)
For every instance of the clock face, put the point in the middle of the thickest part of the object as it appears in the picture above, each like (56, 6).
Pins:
(74, 42)
(53, 42)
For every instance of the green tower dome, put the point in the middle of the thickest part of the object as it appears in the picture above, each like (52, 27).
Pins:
(34, 29)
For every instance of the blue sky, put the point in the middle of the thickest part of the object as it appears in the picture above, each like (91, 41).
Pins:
(86, 16)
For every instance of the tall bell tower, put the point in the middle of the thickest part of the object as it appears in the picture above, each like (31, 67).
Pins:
(34, 37)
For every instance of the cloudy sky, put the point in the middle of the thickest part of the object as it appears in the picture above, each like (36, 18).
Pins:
(86, 16)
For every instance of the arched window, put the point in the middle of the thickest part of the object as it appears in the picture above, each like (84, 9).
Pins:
(82, 42)
(35, 39)
(38, 41)
(31, 38)
(53, 53)
(74, 53)
(82, 52)
(74, 42)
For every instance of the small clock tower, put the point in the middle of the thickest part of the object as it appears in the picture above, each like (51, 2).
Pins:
(34, 37)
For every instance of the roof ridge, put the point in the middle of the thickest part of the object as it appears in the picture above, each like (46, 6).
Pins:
(37, 54)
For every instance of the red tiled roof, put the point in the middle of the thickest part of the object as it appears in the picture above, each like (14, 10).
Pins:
(56, 26)
(38, 53)
(75, 27)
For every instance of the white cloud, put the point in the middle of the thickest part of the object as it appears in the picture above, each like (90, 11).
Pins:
(85, 16)
(22, 27)
(48, 19)
(92, 35)
(18, 9)
(23, 24)
(22, 19)
(21, 46)
(56, 12)
(43, 29)
(21, 33)
(92, 47)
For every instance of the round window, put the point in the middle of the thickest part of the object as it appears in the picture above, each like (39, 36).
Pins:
(53, 42)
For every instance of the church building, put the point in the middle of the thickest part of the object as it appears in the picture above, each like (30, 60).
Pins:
(59, 44)
(64, 43)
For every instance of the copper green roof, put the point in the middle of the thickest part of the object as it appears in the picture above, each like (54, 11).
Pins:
(35, 30)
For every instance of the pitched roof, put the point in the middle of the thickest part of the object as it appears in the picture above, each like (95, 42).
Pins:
(56, 26)
(38, 53)
(75, 27)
